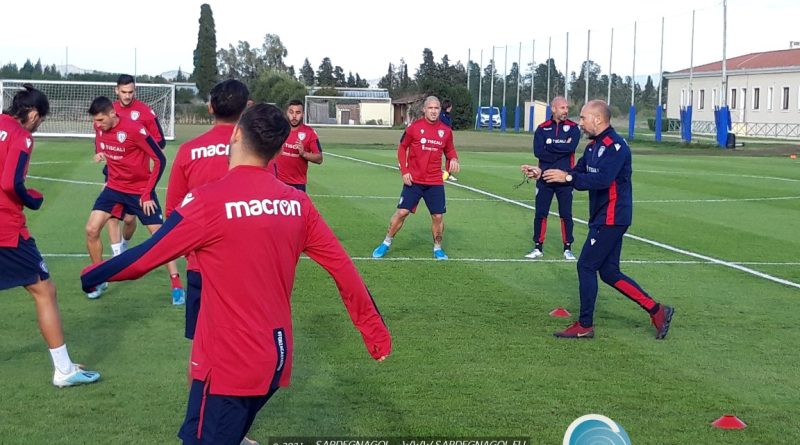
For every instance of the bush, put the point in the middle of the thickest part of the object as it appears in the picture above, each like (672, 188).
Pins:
(278, 88)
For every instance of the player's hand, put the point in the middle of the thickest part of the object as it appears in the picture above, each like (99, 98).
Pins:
(407, 179)
(531, 171)
(149, 207)
(99, 157)
(455, 167)
(554, 175)
(301, 151)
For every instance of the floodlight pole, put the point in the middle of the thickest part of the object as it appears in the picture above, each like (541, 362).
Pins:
(549, 46)
(610, 59)
(588, 44)
(469, 60)
(533, 66)
(724, 98)
(491, 92)
(519, 72)
(505, 75)
(566, 72)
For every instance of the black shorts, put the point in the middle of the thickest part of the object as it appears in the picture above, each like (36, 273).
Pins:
(22, 265)
(216, 419)
(432, 194)
(118, 204)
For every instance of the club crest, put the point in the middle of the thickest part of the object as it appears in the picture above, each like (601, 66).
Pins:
(134, 115)
(423, 141)
(28, 142)
(441, 133)
(121, 136)
(566, 127)
(301, 135)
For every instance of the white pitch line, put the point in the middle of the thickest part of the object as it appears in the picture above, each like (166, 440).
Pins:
(496, 260)
(72, 181)
(773, 178)
(629, 235)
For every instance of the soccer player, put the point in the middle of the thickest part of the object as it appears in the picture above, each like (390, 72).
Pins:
(200, 161)
(127, 149)
(242, 350)
(21, 264)
(605, 171)
(420, 156)
(554, 144)
(129, 107)
(301, 147)
(445, 118)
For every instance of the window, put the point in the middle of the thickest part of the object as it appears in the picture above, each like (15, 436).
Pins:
(733, 99)
(770, 94)
(701, 101)
(785, 99)
(756, 98)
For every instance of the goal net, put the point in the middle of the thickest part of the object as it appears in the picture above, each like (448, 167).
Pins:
(69, 104)
(348, 111)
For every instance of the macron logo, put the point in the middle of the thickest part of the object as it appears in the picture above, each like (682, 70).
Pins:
(256, 207)
(211, 150)
(187, 199)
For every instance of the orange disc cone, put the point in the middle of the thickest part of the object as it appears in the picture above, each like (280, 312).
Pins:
(729, 422)
(793, 156)
(560, 312)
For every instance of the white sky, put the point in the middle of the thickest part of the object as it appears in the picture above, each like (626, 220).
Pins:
(151, 37)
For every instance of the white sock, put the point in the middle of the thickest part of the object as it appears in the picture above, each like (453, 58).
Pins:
(61, 359)
(388, 240)
(124, 245)
(437, 246)
(116, 248)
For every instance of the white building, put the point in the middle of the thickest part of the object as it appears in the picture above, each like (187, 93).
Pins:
(763, 94)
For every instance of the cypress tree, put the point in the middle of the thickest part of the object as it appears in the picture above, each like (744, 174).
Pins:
(205, 55)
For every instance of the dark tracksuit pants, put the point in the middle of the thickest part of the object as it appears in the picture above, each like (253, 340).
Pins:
(544, 197)
(601, 253)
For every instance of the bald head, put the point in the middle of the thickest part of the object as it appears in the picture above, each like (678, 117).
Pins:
(595, 117)
(559, 108)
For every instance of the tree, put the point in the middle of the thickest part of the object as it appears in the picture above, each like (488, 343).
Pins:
(180, 77)
(38, 72)
(274, 51)
(339, 78)
(361, 83)
(242, 62)
(307, 73)
(278, 88)
(205, 54)
(26, 72)
(351, 80)
(9, 71)
(325, 73)
(389, 81)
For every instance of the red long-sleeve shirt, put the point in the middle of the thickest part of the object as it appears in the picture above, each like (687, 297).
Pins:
(248, 230)
(292, 169)
(16, 145)
(140, 112)
(128, 150)
(421, 148)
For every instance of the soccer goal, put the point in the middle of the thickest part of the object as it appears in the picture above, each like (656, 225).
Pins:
(335, 111)
(69, 104)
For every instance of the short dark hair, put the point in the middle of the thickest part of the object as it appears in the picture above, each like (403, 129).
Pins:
(26, 100)
(100, 104)
(295, 102)
(125, 79)
(446, 104)
(228, 99)
(265, 129)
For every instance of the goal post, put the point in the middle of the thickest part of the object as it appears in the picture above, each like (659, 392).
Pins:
(339, 111)
(69, 104)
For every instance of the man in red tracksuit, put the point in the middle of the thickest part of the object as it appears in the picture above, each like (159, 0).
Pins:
(248, 230)
(301, 147)
(420, 157)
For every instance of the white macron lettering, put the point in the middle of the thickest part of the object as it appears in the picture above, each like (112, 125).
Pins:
(3, 135)
(255, 207)
(209, 151)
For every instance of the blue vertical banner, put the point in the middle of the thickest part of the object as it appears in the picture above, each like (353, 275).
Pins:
(503, 117)
(631, 121)
(547, 113)
(723, 119)
(686, 124)
(530, 119)
(517, 118)
(659, 112)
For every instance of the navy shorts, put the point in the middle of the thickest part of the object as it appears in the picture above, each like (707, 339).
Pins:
(194, 284)
(219, 420)
(432, 194)
(22, 265)
(118, 204)
(301, 187)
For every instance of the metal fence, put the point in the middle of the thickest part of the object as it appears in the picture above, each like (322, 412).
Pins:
(751, 129)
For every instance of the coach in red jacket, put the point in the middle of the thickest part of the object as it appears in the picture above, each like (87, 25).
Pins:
(247, 224)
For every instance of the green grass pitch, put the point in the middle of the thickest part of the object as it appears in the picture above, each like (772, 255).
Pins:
(473, 348)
